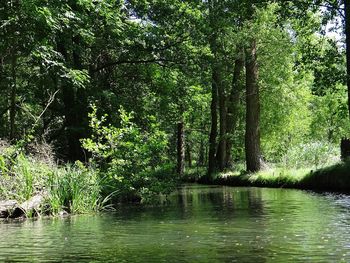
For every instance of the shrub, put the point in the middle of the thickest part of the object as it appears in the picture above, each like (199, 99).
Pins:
(127, 156)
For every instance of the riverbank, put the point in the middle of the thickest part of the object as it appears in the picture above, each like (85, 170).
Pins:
(332, 178)
(33, 184)
(30, 187)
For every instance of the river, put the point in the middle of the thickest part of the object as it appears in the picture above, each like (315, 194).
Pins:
(197, 224)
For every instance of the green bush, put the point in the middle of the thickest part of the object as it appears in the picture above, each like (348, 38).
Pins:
(128, 157)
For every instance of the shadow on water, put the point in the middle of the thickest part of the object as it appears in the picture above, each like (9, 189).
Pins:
(198, 224)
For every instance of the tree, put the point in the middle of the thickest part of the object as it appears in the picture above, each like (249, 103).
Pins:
(347, 42)
(233, 105)
(252, 136)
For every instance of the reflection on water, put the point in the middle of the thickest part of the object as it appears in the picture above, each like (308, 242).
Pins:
(199, 224)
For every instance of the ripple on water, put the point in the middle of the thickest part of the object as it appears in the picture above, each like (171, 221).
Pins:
(200, 224)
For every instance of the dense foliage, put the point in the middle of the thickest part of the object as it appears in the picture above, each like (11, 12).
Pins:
(173, 84)
(128, 158)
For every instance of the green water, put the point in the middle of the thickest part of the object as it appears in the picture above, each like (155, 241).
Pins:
(199, 224)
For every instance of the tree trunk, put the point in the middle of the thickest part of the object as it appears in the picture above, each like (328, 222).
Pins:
(13, 95)
(252, 135)
(81, 107)
(11, 208)
(74, 148)
(33, 203)
(214, 123)
(347, 36)
(214, 90)
(233, 108)
(180, 149)
(189, 155)
(201, 154)
(75, 106)
(221, 151)
(345, 149)
(68, 99)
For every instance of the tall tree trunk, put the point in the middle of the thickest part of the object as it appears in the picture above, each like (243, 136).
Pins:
(74, 99)
(180, 149)
(70, 114)
(233, 107)
(81, 107)
(252, 135)
(13, 95)
(221, 151)
(68, 100)
(214, 90)
(75, 103)
(214, 123)
(347, 36)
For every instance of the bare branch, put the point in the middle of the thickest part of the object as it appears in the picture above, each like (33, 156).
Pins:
(50, 101)
(37, 118)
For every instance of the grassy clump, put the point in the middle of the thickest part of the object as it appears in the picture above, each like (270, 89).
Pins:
(75, 188)
(72, 188)
(21, 176)
(315, 165)
(314, 154)
(333, 178)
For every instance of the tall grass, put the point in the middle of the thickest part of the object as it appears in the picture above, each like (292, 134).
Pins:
(73, 188)
(21, 177)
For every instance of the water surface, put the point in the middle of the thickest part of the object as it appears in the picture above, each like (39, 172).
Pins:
(199, 224)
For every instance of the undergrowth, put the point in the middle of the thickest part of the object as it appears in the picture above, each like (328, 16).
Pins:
(72, 188)
(76, 188)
